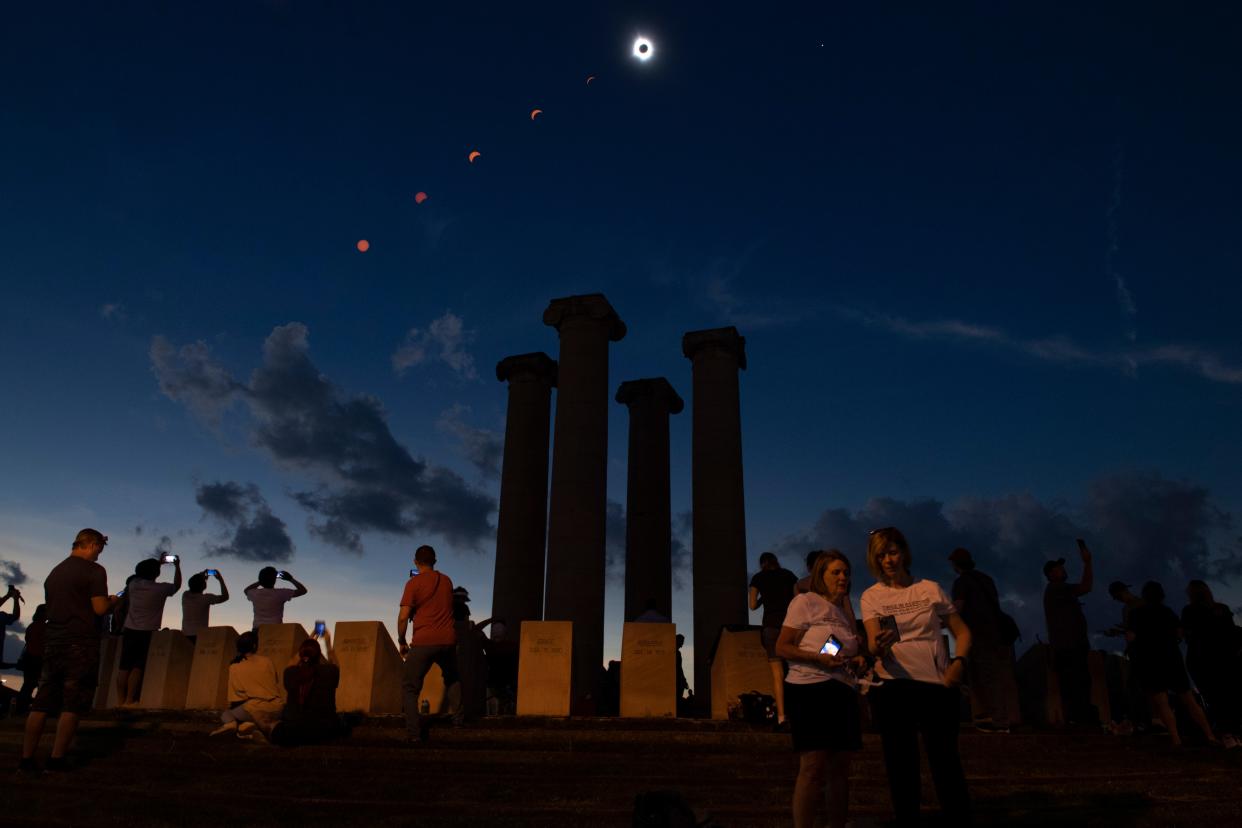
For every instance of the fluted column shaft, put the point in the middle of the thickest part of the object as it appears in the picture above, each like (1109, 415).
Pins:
(648, 510)
(719, 522)
(578, 511)
(517, 593)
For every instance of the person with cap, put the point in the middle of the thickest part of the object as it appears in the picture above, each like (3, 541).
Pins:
(76, 594)
(428, 603)
(1067, 636)
(990, 669)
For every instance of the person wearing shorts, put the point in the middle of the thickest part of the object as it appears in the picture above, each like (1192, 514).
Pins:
(76, 594)
(819, 639)
(146, 615)
(773, 588)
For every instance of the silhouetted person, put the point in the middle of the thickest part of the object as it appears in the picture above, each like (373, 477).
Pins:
(7, 618)
(804, 583)
(683, 686)
(502, 664)
(990, 670)
(428, 602)
(309, 716)
(1213, 642)
(268, 599)
(1067, 636)
(30, 662)
(146, 598)
(1133, 707)
(920, 692)
(76, 594)
(471, 658)
(772, 588)
(254, 692)
(196, 603)
(820, 691)
(1157, 661)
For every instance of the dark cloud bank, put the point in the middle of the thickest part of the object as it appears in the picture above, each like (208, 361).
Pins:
(1140, 526)
(365, 480)
(11, 573)
(250, 531)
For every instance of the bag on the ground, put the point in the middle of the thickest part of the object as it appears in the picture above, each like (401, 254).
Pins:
(757, 708)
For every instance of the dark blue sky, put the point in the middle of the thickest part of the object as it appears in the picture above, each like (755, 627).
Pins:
(984, 256)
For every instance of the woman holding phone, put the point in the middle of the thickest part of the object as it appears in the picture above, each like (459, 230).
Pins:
(920, 692)
(819, 639)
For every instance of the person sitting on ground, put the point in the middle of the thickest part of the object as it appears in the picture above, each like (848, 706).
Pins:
(1157, 660)
(820, 641)
(1212, 656)
(254, 692)
(146, 599)
(772, 587)
(30, 662)
(310, 716)
(269, 600)
(196, 603)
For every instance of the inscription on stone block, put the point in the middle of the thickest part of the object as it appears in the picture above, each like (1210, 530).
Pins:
(544, 668)
(741, 665)
(214, 650)
(370, 668)
(648, 670)
(167, 675)
(279, 642)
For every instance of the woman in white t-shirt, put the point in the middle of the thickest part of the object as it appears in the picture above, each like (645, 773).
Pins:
(920, 693)
(819, 639)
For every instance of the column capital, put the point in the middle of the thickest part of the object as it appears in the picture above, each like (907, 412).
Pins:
(588, 306)
(527, 366)
(726, 340)
(658, 388)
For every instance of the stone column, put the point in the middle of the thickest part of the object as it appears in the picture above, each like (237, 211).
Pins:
(648, 512)
(577, 514)
(719, 523)
(517, 594)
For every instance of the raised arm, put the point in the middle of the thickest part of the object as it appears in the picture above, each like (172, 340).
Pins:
(299, 588)
(176, 575)
(224, 590)
(255, 585)
(1088, 576)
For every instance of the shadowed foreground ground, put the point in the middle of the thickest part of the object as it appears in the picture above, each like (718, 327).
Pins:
(153, 769)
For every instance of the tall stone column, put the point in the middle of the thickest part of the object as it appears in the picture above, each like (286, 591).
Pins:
(648, 511)
(517, 594)
(719, 556)
(576, 520)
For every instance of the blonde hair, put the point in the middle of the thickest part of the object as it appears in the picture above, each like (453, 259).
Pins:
(821, 567)
(878, 543)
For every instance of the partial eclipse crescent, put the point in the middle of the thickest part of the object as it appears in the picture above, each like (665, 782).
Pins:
(473, 155)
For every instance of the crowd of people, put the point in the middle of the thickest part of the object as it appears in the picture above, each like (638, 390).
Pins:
(824, 657)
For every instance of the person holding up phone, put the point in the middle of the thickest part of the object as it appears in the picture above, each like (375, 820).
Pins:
(1068, 636)
(920, 693)
(268, 600)
(819, 639)
(196, 603)
(146, 596)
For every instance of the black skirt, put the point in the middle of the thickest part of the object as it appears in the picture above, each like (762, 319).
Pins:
(823, 716)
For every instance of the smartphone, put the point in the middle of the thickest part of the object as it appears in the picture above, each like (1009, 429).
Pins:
(889, 622)
(120, 593)
(832, 646)
(413, 572)
(282, 575)
(320, 628)
(168, 558)
(213, 572)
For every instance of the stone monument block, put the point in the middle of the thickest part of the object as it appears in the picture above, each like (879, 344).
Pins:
(1097, 663)
(279, 642)
(1038, 690)
(214, 650)
(167, 675)
(740, 665)
(370, 668)
(109, 658)
(648, 670)
(544, 668)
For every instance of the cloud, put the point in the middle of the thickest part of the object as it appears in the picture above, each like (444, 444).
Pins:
(11, 573)
(1128, 360)
(1139, 525)
(191, 376)
(112, 311)
(362, 478)
(164, 547)
(443, 340)
(250, 531)
(484, 449)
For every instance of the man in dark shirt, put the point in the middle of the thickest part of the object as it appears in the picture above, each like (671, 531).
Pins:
(76, 594)
(990, 668)
(773, 588)
(1067, 635)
